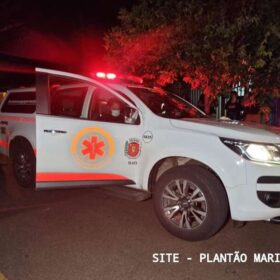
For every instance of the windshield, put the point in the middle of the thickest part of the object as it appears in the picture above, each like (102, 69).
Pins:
(166, 104)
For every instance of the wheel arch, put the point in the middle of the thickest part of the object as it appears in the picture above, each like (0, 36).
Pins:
(16, 141)
(167, 163)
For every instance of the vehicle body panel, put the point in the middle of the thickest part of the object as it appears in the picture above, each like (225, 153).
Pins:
(153, 140)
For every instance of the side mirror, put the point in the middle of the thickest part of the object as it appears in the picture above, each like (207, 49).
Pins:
(131, 116)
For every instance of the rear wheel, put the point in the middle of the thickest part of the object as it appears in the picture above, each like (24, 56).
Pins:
(190, 202)
(24, 164)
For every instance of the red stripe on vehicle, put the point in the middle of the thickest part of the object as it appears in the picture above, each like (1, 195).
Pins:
(4, 144)
(18, 119)
(60, 177)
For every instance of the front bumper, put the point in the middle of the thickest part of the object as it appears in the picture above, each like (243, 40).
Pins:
(259, 198)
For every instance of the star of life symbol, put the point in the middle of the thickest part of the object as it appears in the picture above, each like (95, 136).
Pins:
(93, 147)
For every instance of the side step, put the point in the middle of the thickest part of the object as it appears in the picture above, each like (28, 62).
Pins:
(125, 192)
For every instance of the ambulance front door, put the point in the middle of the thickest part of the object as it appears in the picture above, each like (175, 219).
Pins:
(86, 134)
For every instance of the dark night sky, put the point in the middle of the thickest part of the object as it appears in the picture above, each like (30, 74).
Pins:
(58, 31)
(68, 15)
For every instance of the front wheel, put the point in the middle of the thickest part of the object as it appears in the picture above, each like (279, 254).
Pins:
(190, 202)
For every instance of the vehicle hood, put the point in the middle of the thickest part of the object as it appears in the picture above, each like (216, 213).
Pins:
(230, 129)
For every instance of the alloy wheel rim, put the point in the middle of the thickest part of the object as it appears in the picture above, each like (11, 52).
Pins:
(184, 204)
(23, 166)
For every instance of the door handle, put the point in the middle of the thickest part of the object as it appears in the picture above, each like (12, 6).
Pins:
(54, 131)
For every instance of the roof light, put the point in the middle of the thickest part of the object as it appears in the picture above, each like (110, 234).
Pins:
(111, 76)
(120, 77)
(101, 75)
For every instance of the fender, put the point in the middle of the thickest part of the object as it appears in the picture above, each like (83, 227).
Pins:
(220, 158)
(27, 132)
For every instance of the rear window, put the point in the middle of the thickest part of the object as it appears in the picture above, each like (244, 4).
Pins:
(20, 102)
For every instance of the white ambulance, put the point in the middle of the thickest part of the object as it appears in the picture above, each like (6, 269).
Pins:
(73, 131)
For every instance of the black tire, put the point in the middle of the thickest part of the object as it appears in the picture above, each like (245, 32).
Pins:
(185, 221)
(24, 163)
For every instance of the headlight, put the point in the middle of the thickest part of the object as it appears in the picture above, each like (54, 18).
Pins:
(269, 153)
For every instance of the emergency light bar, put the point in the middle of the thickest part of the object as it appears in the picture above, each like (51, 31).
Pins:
(113, 76)
(103, 75)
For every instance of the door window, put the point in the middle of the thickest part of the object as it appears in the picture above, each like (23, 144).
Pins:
(105, 107)
(67, 97)
(68, 102)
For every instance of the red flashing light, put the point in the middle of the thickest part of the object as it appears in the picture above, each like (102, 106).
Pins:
(111, 76)
(101, 75)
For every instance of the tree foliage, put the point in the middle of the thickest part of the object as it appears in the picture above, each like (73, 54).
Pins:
(210, 44)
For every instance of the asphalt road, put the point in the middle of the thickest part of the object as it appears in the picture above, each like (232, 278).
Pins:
(89, 234)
